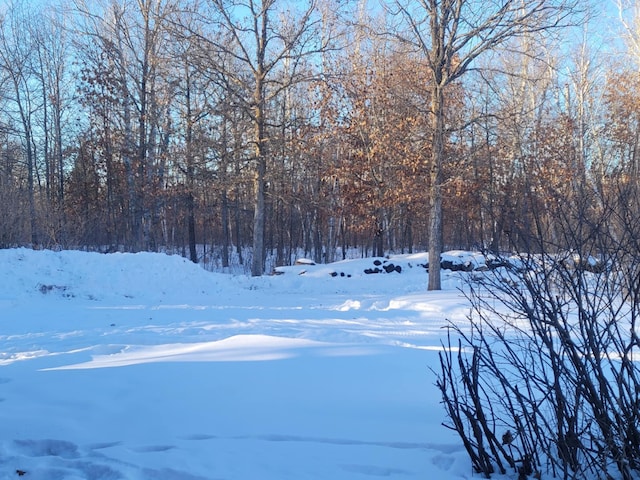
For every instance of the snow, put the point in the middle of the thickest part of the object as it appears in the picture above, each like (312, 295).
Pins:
(146, 366)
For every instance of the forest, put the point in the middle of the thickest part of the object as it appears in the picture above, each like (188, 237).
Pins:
(252, 131)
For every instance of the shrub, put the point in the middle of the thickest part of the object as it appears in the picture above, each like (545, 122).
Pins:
(544, 378)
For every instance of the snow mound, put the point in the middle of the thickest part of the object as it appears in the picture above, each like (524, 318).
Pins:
(96, 276)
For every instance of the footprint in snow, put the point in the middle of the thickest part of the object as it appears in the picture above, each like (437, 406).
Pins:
(171, 474)
(100, 446)
(443, 462)
(153, 448)
(375, 471)
(47, 448)
(200, 436)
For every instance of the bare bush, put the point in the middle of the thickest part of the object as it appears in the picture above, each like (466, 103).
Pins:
(544, 377)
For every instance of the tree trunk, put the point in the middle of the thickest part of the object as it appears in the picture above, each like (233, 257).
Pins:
(238, 220)
(190, 171)
(378, 236)
(129, 173)
(435, 189)
(59, 157)
(331, 241)
(257, 265)
(191, 221)
(35, 239)
(225, 229)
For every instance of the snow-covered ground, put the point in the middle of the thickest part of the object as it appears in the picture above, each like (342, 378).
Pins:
(145, 366)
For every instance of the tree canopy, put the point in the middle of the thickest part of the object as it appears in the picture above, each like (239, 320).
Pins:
(255, 131)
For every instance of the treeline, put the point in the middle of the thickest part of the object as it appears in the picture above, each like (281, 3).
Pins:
(294, 126)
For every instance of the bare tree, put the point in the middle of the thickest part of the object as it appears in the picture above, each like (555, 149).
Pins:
(453, 34)
(132, 35)
(17, 51)
(265, 38)
(53, 51)
(629, 18)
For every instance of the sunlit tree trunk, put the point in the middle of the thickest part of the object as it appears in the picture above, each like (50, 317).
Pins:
(435, 187)
(257, 264)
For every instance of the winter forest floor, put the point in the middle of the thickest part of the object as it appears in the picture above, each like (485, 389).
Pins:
(145, 366)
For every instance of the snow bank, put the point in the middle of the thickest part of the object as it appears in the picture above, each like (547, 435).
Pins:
(96, 276)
